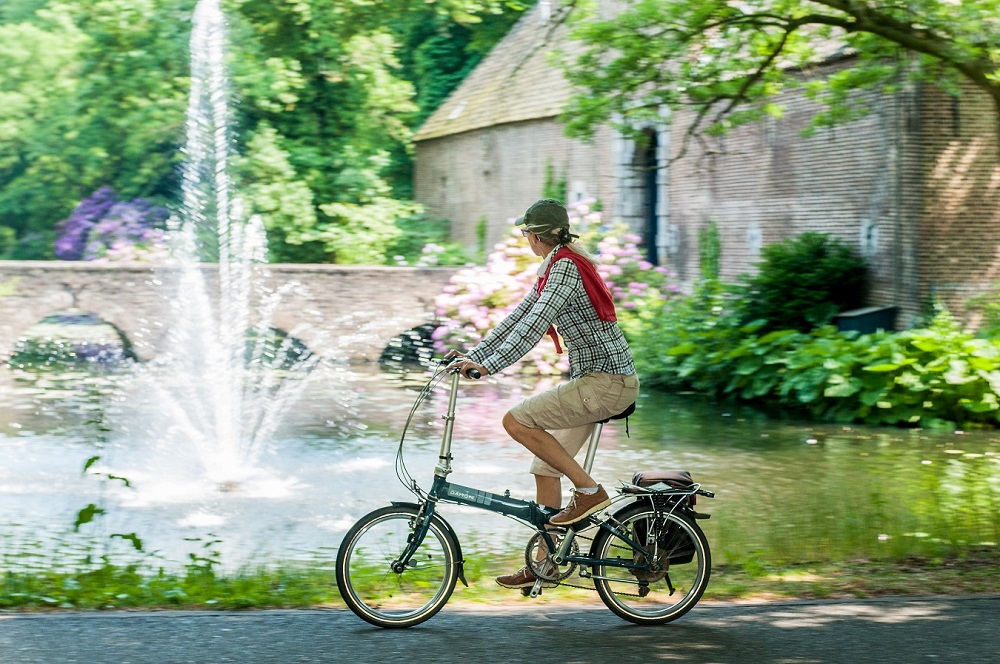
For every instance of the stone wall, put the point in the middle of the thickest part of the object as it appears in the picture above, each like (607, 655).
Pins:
(343, 312)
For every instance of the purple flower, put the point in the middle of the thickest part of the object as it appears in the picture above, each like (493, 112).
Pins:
(73, 231)
(103, 228)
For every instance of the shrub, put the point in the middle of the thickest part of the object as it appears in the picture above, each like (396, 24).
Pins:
(677, 343)
(33, 246)
(359, 233)
(935, 376)
(803, 282)
(423, 241)
(709, 250)
(986, 308)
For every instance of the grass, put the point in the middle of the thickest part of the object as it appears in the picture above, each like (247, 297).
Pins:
(975, 573)
(115, 588)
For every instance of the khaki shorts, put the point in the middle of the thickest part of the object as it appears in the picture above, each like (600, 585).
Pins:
(569, 411)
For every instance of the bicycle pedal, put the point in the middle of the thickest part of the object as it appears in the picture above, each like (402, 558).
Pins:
(526, 592)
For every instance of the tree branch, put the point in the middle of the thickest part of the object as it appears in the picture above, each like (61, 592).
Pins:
(867, 19)
(753, 78)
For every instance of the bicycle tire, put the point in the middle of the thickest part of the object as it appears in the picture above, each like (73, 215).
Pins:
(381, 596)
(680, 543)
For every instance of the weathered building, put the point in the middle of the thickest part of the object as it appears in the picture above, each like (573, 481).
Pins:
(484, 155)
(914, 185)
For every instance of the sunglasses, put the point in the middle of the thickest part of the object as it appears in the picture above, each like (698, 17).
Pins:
(525, 232)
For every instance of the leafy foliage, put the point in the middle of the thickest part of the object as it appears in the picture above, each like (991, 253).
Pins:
(423, 241)
(728, 61)
(934, 376)
(709, 251)
(803, 282)
(987, 307)
(94, 94)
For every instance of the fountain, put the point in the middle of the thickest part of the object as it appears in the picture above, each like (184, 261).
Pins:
(224, 376)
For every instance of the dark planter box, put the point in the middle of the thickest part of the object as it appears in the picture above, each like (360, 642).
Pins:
(867, 319)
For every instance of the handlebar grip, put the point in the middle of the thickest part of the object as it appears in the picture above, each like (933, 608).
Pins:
(474, 373)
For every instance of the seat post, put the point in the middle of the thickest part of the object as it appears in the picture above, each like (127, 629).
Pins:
(595, 438)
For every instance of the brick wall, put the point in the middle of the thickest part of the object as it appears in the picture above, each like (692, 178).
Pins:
(913, 186)
(959, 243)
(766, 182)
(342, 312)
(496, 173)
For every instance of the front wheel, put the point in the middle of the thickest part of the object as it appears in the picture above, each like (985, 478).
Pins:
(380, 590)
(669, 581)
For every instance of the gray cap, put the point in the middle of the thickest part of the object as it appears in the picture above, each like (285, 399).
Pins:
(543, 216)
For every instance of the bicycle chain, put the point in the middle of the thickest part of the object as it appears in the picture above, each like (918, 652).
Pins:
(570, 585)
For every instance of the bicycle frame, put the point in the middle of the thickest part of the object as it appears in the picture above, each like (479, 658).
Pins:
(528, 512)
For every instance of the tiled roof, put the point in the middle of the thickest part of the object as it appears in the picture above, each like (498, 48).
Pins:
(518, 80)
(515, 82)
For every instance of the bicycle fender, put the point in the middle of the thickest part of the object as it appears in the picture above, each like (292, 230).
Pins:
(451, 531)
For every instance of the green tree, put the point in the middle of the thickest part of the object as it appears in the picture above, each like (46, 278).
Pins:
(339, 93)
(727, 60)
(436, 52)
(94, 94)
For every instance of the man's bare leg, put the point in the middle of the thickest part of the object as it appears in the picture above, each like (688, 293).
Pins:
(544, 446)
(548, 491)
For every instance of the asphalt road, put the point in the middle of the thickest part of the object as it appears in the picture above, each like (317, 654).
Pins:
(885, 631)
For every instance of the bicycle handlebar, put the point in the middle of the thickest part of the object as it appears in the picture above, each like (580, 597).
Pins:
(455, 359)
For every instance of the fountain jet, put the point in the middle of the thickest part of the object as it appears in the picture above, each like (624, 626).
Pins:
(227, 375)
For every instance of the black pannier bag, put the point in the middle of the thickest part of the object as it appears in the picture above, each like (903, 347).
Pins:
(674, 542)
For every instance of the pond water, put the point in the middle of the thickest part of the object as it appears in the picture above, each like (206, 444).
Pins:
(785, 489)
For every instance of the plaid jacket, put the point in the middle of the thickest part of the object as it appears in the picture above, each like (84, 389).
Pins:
(593, 344)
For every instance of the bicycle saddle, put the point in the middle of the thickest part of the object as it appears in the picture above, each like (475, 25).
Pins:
(622, 415)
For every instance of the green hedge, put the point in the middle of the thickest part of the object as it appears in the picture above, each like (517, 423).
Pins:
(938, 376)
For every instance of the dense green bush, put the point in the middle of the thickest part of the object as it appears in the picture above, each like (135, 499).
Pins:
(803, 282)
(935, 376)
(986, 307)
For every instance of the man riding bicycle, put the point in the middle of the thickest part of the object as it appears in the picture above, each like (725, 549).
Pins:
(554, 425)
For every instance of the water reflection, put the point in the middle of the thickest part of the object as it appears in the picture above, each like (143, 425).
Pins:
(72, 336)
(786, 490)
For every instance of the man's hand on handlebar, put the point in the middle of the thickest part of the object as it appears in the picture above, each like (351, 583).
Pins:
(470, 369)
(465, 366)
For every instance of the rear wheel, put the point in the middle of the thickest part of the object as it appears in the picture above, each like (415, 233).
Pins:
(381, 591)
(679, 565)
